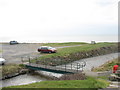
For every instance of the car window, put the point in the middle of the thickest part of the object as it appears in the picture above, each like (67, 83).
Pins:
(45, 48)
(49, 47)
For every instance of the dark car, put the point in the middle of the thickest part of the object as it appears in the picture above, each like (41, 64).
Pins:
(47, 49)
(13, 42)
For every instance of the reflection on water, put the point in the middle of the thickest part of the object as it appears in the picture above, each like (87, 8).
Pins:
(27, 79)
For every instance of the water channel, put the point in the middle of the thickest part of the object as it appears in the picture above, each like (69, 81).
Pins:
(29, 78)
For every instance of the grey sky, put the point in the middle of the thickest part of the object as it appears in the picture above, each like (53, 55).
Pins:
(27, 19)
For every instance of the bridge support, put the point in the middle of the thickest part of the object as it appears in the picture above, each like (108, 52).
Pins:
(31, 71)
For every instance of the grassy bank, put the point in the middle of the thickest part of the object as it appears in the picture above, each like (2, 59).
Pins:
(10, 69)
(88, 83)
(63, 44)
(69, 54)
(107, 66)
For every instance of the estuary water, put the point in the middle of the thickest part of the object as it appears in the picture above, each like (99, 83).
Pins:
(28, 78)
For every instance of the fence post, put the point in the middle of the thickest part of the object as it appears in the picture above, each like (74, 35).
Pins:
(61, 64)
(71, 66)
(44, 63)
(65, 67)
(22, 59)
(29, 61)
(36, 60)
(55, 67)
(77, 67)
(82, 67)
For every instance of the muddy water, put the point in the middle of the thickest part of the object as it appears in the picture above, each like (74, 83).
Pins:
(27, 78)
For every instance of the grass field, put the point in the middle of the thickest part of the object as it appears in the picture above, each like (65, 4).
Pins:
(69, 51)
(108, 66)
(63, 44)
(88, 83)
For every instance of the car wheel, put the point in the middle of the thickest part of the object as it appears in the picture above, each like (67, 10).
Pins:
(3, 63)
(50, 52)
(40, 52)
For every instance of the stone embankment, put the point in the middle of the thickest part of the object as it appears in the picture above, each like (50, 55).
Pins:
(10, 75)
(59, 60)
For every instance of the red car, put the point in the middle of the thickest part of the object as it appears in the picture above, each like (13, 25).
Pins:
(47, 49)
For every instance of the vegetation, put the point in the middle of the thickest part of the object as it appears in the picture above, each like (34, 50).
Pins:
(10, 69)
(69, 54)
(88, 83)
(63, 44)
(105, 77)
(107, 66)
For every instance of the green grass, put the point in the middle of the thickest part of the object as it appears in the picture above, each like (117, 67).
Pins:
(10, 69)
(69, 51)
(103, 77)
(88, 83)
(63, 44)
(107, 66)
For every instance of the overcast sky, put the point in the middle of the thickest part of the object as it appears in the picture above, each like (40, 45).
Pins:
(29, 20)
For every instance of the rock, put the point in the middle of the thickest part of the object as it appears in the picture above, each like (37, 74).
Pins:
(23, 71)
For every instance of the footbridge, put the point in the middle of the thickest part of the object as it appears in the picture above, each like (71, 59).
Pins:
(63, 69)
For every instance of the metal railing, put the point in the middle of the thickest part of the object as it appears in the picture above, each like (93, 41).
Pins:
(66, 67)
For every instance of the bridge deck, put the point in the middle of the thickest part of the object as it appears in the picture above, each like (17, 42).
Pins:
(55, 69)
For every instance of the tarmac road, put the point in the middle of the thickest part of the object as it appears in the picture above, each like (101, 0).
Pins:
(13, 53)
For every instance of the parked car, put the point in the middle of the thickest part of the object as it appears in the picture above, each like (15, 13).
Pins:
(47, 49)
(2, 61)
(13, 42)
